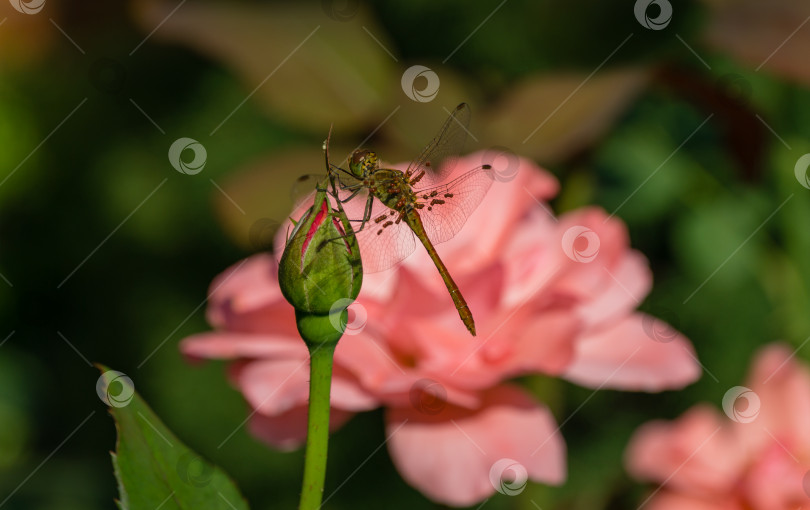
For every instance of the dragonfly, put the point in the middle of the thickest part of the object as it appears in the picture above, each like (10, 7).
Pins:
(420, 203)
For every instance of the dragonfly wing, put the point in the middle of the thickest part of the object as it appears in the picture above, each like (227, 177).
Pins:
(382, 245)
(440, 155)
(448, 205)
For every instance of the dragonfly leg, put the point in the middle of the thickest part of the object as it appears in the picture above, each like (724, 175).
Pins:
(364, 221)
(354, 194)
(338, 173)
(354, 188)
(366, 215)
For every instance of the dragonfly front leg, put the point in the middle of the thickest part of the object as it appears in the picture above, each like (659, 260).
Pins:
(354, 188)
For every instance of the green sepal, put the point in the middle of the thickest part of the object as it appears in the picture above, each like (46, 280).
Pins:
(321, 264)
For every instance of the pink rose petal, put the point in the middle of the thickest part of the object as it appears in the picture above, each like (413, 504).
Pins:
(755, 459)
(449, 456)
(249, 285)
(225, 345)
(273, 387)
(667, 500)
(694, 454)
(288, 431)
(624, 356)
(776, 480)
(783, 387)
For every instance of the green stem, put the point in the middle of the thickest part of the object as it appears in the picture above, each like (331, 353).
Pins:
(320, 381)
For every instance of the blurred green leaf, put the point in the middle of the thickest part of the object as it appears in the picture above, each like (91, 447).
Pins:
(414, 124)
(154, 469)
(15, 398)
(652, 174)
(550, 117)
(13, 434)
(295, 60)
(18, 138)
(786, 275)
(719, 241)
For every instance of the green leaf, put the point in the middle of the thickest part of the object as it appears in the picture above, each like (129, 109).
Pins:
(552, 116)
(295, 60)
(153, 468)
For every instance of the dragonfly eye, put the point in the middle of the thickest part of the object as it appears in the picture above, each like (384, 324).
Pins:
(363, 162)
(358, 156)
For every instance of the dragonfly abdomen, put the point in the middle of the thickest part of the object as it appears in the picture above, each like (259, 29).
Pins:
(415, 222)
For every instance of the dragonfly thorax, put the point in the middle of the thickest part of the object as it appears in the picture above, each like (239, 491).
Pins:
(363, 163)
(391, 187)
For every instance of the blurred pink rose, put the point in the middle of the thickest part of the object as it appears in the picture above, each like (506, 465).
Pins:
(756, 457)
(550, 295)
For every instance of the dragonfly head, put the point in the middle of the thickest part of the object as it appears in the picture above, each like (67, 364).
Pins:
(363, 162)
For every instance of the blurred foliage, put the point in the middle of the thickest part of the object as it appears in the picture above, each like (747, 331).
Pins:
(103, 243)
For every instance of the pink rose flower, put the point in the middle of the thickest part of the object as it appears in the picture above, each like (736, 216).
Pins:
(549, 295)
(756, 457)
